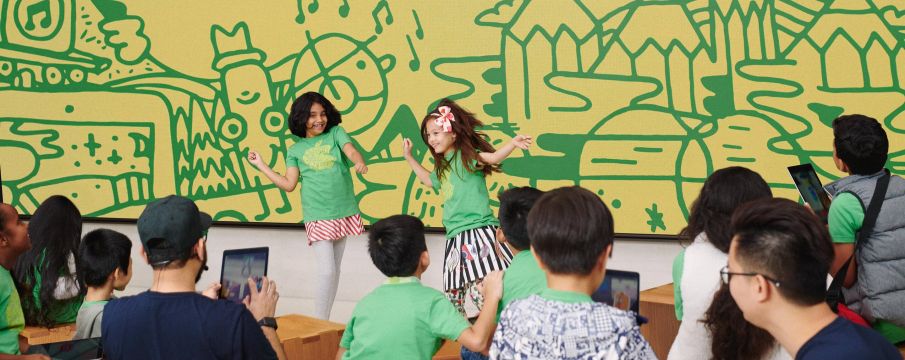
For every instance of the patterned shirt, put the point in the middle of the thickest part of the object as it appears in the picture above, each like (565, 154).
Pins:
(567, 325)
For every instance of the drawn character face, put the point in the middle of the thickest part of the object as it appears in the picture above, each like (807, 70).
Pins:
(442, 142)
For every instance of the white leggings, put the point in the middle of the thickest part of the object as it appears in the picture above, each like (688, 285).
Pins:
(329, 255)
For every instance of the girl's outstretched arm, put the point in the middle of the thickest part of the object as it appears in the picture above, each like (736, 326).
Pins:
(420, 171)
(353, 154)
(496, 157)
(286, 183)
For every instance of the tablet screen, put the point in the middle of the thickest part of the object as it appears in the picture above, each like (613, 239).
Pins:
(811, 190)
(238, 266)
(620, 289)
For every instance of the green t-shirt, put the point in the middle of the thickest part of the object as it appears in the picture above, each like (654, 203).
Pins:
(327, 192)
(12, 321)
(844, 220)
(466, 204)
(522, 279)
(678, 266)
(62, 311)
(401, 319)
(569, 297)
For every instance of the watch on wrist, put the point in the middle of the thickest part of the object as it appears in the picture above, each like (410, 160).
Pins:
(268, 322)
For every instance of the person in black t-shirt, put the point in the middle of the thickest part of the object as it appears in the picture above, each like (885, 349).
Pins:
(778, 261)
(171, 320)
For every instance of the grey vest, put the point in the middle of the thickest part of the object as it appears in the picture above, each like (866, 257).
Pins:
(879, 292)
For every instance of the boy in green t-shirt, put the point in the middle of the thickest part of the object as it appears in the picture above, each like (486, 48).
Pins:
(524, 277)
(403, 319)
(105, 264)
(14, 241)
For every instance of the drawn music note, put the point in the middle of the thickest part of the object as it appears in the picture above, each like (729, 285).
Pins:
(300, 18)
(378, 27)
(415, 63)
(419, 31)
(344, 9)
(313, 6)
(33, 10)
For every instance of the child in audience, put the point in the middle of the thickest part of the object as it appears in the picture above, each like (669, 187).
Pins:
(696, 275)
(778, 261)
(524, 277)
(321, 160)
(403, 319)
(571, 233)
(105, 265)
(14, 242)
(874, 287)
(46, 275)
(463, 158)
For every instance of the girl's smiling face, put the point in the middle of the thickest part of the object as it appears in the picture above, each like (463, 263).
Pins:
(317, 120)
(442, 142)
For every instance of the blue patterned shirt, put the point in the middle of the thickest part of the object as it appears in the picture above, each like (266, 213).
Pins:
(567, 325)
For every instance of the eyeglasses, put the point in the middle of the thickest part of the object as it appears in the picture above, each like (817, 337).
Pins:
(726, 275)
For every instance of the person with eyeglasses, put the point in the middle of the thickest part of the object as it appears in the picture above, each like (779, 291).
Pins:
(778, 261)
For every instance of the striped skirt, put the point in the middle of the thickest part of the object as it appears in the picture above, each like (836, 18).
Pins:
(472, 254)
(334, 229)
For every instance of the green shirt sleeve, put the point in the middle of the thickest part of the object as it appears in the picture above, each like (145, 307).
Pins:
(445, 322)
(340, 137)
(292, 159)
(677, 266)
(845, 218)
(435, 181)
(348, 336)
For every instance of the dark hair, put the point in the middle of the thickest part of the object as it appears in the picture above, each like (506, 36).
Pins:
(301, 110)
(787, 242)
(723, 192)
(55, 230)
(732, 337)
(101, 252)
(569, 228)
(469, 141)
(515, 204)
(861, 143)
(396, 244)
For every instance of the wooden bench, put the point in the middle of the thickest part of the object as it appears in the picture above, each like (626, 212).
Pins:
(34, 335)
(658, 306)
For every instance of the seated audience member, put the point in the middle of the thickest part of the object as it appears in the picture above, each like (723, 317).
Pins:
(171, 320)
(874, 287)
(778, 261)
(571, 233)
(696, 276)
(13, 243)
(46, 275)
(523, 277)
(105, 265)
(403, 319)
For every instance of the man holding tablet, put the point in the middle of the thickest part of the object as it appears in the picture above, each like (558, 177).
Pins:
(171, 320)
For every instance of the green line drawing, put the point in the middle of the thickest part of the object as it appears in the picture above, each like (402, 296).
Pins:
(116, 103)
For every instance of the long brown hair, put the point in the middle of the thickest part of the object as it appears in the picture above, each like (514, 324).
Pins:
(733, 337)
(469, 141)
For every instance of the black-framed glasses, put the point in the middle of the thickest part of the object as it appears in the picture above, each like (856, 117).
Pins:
(726, 275)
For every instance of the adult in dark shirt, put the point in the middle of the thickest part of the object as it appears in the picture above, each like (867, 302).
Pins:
(778, 261)
(171, 320)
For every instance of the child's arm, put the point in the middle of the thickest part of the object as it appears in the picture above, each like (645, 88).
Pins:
(286, 183)
(353, 154)
(496, 157)
(420, 171)
(477, 337)
(340, 352)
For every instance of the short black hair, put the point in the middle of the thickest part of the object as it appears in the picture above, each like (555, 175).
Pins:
(301, 109)
(787, 242)
(396, 243)
(515, 204)
(101, 252)
(569, 228)
(861, 143)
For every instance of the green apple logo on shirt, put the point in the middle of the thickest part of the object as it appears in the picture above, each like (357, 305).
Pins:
(318, 157)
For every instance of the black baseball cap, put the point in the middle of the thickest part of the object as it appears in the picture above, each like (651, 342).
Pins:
(170, 227)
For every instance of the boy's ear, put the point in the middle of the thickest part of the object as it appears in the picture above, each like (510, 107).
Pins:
(425, 259)
(144, 255)
(537, 258)
(500, 236)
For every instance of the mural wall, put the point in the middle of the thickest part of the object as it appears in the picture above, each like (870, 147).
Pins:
(115, 103)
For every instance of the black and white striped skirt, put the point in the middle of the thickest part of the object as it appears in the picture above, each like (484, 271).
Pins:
(472, 254)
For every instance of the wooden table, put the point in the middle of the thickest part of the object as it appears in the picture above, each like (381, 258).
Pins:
(658, 306)
(309, 338)
(34, 335)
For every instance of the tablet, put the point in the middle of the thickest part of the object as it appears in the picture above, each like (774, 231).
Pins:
(84, 349)
(620, 289)
(238, 266)
(811, 190)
